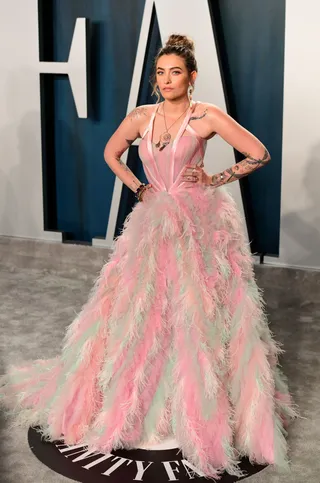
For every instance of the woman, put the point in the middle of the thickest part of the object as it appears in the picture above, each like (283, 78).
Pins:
(173, 341)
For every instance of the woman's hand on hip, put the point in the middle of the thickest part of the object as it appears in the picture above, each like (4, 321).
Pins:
(196, 175)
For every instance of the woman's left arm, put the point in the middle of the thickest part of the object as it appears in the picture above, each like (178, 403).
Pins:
(256, 154)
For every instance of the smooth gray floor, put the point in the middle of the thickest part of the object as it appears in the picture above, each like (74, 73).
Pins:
(43, 286)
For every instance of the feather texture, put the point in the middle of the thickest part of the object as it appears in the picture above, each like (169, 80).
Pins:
(173, 341)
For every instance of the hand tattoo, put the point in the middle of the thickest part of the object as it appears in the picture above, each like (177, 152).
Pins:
(241, 169)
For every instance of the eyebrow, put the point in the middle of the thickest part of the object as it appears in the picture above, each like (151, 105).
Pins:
(177, 67)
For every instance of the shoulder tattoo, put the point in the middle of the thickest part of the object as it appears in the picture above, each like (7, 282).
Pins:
(137, 113)
(201, 116)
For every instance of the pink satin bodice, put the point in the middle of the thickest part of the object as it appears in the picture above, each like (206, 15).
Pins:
(163, 169)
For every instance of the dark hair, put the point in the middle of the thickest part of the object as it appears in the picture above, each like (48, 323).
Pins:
(179, 45)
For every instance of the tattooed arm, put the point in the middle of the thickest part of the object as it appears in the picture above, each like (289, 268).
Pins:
(256, 154)
(123, 137)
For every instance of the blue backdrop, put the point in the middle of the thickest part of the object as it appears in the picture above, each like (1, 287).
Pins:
(78, 184)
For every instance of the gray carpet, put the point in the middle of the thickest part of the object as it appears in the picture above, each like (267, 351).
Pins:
(42, 287)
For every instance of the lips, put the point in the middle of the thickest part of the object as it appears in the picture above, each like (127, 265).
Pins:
(168, 88)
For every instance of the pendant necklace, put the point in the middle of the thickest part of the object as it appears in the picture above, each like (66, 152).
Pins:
(165, 137)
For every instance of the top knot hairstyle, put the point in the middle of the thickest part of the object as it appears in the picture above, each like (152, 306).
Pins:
(181, 45)
(181, 42)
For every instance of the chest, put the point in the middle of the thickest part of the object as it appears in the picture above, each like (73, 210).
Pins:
(187, 150)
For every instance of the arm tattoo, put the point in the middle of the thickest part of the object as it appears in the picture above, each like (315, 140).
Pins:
(135, 182)
(195, 118)
(122, 164)
(138, 112)
(241, 169)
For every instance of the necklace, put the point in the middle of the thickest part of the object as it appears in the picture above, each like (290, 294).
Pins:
(165, 137)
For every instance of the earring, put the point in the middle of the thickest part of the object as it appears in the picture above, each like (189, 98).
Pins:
(190, 91)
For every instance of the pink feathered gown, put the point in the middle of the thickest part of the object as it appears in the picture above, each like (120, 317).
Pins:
(173, 340)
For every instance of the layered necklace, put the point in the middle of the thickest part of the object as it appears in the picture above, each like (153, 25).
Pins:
(165, 137)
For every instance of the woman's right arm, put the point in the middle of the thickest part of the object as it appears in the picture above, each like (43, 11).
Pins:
(121, 140)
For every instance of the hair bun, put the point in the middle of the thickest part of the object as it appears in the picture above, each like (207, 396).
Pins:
(176, 40)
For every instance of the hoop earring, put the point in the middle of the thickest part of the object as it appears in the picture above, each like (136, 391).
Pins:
(190, 91)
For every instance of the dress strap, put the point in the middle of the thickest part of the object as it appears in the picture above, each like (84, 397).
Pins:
(184, 125)
(150, 124)
(150, 131)
(145, 132)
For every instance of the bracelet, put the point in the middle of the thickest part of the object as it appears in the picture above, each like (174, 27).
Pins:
(140, 190)
(221, 178)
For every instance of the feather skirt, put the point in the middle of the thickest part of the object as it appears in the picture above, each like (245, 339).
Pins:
(172, 342)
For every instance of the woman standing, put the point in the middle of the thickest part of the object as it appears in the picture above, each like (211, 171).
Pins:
(173, 341)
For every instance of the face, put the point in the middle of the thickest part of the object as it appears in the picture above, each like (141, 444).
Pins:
(173, 77)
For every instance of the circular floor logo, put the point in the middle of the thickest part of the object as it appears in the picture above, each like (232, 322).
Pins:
(161, 466)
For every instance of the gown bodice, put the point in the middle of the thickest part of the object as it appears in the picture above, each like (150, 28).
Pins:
(163, 169)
